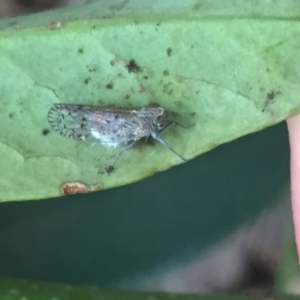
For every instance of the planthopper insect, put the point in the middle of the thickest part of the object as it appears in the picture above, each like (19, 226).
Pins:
(110, 126)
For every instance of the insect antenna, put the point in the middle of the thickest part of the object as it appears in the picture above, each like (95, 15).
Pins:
(161, 140)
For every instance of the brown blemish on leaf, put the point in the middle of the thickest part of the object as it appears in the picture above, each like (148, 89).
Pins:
(72, 188)
(169, 51)
(96, 187)
(132, 67)
(45, 131)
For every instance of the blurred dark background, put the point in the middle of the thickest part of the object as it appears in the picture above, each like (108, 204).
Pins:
(138, 235)
(215, 224)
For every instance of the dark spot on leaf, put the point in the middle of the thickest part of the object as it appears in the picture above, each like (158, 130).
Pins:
(169, 52)
(167, 88)
(11, 115)
(158, 24)
(127, 97)
(80, 50)
(192, 114)
(166, 73)
(45, 131)
(91, 68)
(270, 95)
(145, 77)
(132, 67)
(269, 98)
(87, 80)
(109, 169)
(94, 27)
(109, 86)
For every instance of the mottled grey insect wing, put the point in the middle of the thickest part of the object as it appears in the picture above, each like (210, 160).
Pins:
(110, 126)
(68, 121)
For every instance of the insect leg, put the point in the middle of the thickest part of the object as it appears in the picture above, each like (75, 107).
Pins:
(185, 127)
(161, 140)
(111, 167)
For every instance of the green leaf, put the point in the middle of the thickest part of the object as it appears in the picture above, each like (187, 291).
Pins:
(225, 68)
(23, 289)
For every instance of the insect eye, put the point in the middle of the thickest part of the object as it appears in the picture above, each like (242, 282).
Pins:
(160, 122)
(160, 119)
